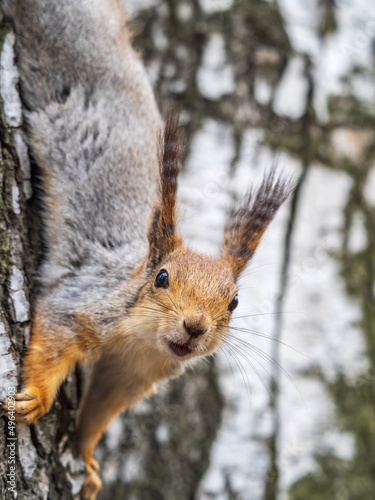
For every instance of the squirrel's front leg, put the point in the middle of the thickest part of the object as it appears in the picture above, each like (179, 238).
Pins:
(51, 356)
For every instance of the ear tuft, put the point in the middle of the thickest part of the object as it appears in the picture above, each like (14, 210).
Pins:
(162, 233)
(246, 226)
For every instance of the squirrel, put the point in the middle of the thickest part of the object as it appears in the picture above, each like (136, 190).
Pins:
(120, 289)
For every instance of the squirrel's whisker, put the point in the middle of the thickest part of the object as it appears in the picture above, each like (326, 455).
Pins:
(267, 357)
(169, 297)
(153, 315)
(164, 306)
(220, 316)
(249, 269)
(260, 314)
(247, 359)
(241, 369)
(238, 352)
(229, 337)
(268, 337)
(149, 308)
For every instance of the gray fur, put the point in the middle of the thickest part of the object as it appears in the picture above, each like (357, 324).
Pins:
(94, 129)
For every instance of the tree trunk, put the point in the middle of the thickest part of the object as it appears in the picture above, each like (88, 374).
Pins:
(38, 460)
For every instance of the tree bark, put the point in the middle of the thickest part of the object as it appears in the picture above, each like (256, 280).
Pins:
(38, 461)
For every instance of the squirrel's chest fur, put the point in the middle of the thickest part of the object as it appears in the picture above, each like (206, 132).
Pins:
(135, 367)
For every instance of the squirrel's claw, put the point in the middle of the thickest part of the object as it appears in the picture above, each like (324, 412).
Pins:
(26, 407)
(93, 464)
(92, 484)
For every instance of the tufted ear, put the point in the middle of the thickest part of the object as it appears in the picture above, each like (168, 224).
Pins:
(246, 226)
(163, 237)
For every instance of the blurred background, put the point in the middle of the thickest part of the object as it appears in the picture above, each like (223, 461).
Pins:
(286, 410)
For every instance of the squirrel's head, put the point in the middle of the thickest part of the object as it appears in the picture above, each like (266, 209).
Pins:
(187, 302)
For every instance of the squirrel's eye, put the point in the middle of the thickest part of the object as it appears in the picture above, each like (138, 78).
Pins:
(162, 280)
(232, 306)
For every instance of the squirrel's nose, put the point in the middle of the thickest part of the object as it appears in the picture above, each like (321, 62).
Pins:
(194, 330)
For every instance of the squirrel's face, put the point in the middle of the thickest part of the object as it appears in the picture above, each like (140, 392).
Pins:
(183, 309)
(186, 305)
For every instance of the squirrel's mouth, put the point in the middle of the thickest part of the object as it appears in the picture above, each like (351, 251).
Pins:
(179, 349)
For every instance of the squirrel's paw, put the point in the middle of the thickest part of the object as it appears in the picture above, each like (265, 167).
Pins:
(93, 464)
(27, 405)
(92, 484)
